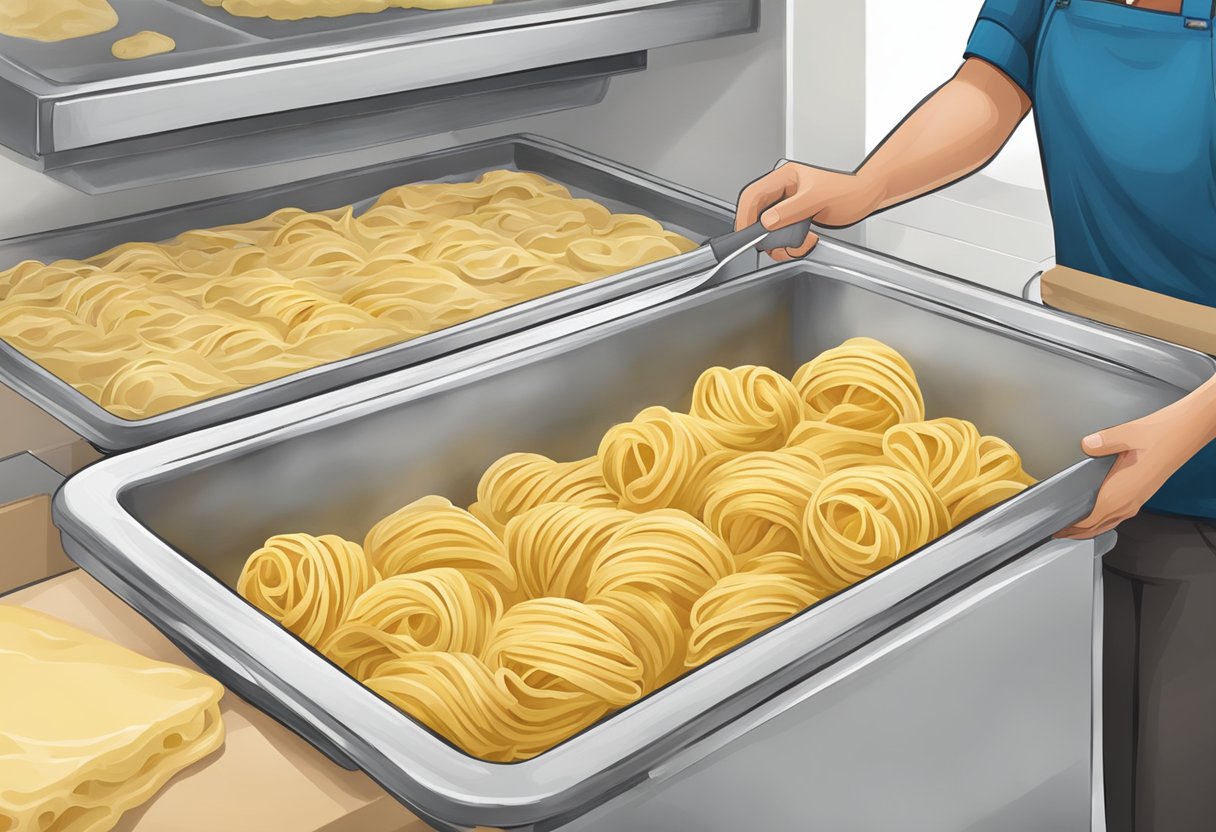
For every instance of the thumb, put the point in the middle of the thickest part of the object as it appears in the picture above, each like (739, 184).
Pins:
(1107, 442)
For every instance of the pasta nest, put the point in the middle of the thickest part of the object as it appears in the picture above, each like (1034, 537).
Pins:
(308, 584)
(862, 384)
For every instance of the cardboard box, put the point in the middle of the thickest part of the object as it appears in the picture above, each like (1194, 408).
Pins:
(26, 427)
(264, 779)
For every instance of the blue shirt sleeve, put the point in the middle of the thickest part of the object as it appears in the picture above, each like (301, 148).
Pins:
(1006, 35)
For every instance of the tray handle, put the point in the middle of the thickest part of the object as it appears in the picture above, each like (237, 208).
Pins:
(790, 236)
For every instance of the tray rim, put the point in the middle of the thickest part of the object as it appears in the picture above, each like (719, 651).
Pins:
(440, 782)
(112, 433)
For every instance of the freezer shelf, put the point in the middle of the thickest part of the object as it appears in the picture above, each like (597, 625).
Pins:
(168, 527)
(59, 98)
(618, 187)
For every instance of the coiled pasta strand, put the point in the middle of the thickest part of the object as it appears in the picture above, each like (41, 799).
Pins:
(308, 584)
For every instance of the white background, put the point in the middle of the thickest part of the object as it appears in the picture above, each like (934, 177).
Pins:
(911, 49)
(855, 70)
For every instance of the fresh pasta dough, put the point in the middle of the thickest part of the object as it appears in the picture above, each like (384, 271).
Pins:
(569, 590)
(146, 328)
(56, 20)
(142, 45)
(90, 730)
(304, 9)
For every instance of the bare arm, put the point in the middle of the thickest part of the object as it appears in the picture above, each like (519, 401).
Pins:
(953, 133)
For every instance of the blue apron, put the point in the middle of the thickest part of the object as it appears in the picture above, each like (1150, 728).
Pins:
(1125, 105)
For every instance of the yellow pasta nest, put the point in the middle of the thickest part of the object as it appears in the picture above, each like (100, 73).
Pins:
(833, 447)
(861, 384)
(571, 589)
(756, 502)
(656, 460)
(146, 328)
(519, 482)
(455, 695)
(555, 644)
(430, 533)
(553, 547)
(740, 606)
(432, 610)
(308, 584)
(864, 519)
(750, 408)
(667, 553)
(657, 637)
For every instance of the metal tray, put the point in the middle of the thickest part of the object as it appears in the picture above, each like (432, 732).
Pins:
(57, 98)
(619, 187)
(168, 527)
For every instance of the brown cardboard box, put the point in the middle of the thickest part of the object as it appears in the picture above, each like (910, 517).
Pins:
(26, 427)
(264, 779)
(29, 544)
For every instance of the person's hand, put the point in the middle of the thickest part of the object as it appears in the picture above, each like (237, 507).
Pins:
(795, 192)
(1150, 451)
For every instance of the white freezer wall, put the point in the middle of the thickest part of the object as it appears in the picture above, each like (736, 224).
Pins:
(709, 115)
(855, 70)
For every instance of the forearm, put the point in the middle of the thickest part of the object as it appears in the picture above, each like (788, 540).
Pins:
(1199, 411)
(956, 131)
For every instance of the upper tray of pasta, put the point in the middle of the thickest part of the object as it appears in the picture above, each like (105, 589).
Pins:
(282, 294)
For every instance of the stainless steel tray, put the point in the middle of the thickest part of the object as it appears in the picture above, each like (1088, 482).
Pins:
(59, 98)
(168, 527)
(617, 186)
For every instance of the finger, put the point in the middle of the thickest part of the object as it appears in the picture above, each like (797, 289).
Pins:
(812, 240)
(764, 192)
(1098, 524)
(803, 204)
(1097, 530)
(1084, 528)
(784, 255)
(1106, 443)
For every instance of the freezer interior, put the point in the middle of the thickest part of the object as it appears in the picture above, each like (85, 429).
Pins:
(343, 477)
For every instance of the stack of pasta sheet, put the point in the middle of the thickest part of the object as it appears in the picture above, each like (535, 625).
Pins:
(88, 729)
